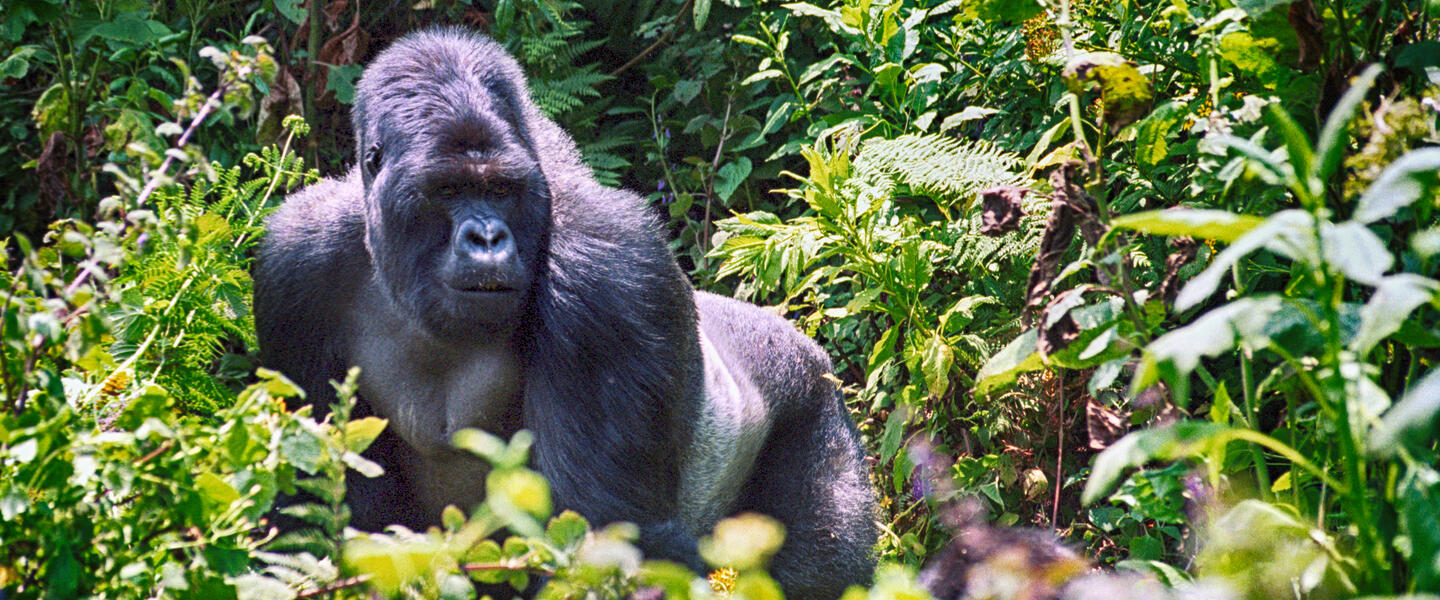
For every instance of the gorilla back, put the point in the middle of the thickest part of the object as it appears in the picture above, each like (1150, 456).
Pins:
(480, 277)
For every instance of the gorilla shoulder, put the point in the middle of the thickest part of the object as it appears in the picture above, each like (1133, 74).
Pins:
(307, 268)
(786, 365)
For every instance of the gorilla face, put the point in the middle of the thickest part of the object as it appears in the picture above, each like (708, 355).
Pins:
(458, 209)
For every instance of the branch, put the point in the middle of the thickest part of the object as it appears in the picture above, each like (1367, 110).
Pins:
(674, 27)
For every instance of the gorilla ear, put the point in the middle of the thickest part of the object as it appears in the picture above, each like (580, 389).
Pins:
(373, 158)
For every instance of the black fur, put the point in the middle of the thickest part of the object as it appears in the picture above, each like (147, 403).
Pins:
(596, 347)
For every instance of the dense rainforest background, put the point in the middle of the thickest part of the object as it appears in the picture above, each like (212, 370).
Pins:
(1154, 279)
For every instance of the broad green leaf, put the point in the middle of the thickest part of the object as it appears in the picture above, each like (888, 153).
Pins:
(994, 11)
(935, 363)
(832, 18)
(522, 488)
(360, 433)
(1151, 133)
(278, 385)
(1247, 319)
(1176, 441)
(567, 529)
(294, 10)
(1277, 169)
(18, 63)
(743, 542)
(1019, 356)
(701, 13)
(390, 564)
(1395, 298)
(894, 433)
(52, 112)
(342, 80)
(254, 586)
(1292, 225)
(362, 465)
(1256, 8)
(1413, 415)
(820, 67)
(1300, 154)
(686, 90)
(1333, 138)
(303, 449)
(1419, 511)
(745, 39)
(1125, 90)
(1403, 182)
(1138, 448)
(131, 28)
(481, 443)
(730, 176)
(1216, 225)
(969, 114)
(216, 490)
(1355, 251)
(1242, 49)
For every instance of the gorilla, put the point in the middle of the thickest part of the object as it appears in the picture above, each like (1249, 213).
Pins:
(478, 275)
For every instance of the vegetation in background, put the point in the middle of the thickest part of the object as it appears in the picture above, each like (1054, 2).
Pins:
(1159, 276)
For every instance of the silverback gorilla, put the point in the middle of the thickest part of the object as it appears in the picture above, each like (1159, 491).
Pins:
(480, 277)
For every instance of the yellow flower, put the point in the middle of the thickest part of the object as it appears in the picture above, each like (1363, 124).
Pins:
(116, 383)
(722, 581)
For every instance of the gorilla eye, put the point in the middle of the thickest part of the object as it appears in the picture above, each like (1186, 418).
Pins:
(373, 158)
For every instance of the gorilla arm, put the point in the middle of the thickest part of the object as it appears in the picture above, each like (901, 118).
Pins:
(309, 273)
(309, 264)
(614, 385)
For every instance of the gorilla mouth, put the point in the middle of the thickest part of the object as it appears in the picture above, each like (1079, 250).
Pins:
(484, 288)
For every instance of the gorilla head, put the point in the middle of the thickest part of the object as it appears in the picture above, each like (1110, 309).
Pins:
(455, 199)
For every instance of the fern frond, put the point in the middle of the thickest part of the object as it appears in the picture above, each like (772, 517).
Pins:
(947, 170)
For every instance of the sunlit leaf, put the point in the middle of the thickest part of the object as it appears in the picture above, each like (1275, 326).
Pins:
(1395, 298)
(1413, 415)
(1293, 224)
(1216, 225)
(1403, 182)
(1021, 355)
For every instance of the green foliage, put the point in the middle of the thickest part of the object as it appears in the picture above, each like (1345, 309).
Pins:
(1230, 242)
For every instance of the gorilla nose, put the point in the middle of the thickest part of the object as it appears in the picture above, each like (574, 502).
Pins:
(484, 240)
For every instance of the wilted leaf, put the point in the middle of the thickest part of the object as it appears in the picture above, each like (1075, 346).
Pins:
(1000, 209)
(1104, 424)
(1310, 30)
(1125, 91)
(1070, 206)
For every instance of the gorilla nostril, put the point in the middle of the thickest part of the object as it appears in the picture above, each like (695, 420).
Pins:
(484, 236)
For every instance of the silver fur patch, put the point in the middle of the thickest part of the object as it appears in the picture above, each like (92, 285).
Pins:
(734, 424)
